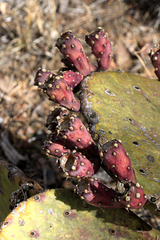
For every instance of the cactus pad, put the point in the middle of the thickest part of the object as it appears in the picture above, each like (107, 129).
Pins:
(60, 214)
(127, 107)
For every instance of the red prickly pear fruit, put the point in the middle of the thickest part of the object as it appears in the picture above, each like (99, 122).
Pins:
(72, 50)
(101, 47)
(56, 146)
(135, 198)
(76, 165)
(97, 194)
(117, 161)
(155, 58)
(72, 129)
(58, 90)
(41, 77)
(72, 78)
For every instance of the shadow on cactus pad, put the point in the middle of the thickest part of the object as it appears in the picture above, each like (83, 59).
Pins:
(60, 214)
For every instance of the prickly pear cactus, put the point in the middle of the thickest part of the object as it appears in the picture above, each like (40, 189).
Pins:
(127, 107)
(60, 214)
(11, 178)
(117, 106)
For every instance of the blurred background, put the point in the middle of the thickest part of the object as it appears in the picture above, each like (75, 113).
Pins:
(28, 33)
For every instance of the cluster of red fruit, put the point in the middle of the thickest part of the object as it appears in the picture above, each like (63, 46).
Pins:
(77, 153)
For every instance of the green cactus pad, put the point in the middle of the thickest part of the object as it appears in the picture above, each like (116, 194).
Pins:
(61, 214)
(11, 178)
(127, 107)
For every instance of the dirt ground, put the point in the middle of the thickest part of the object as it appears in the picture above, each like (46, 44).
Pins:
(28, 33)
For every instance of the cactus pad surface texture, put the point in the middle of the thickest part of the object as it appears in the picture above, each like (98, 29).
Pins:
(127, 107)
(61, 214)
